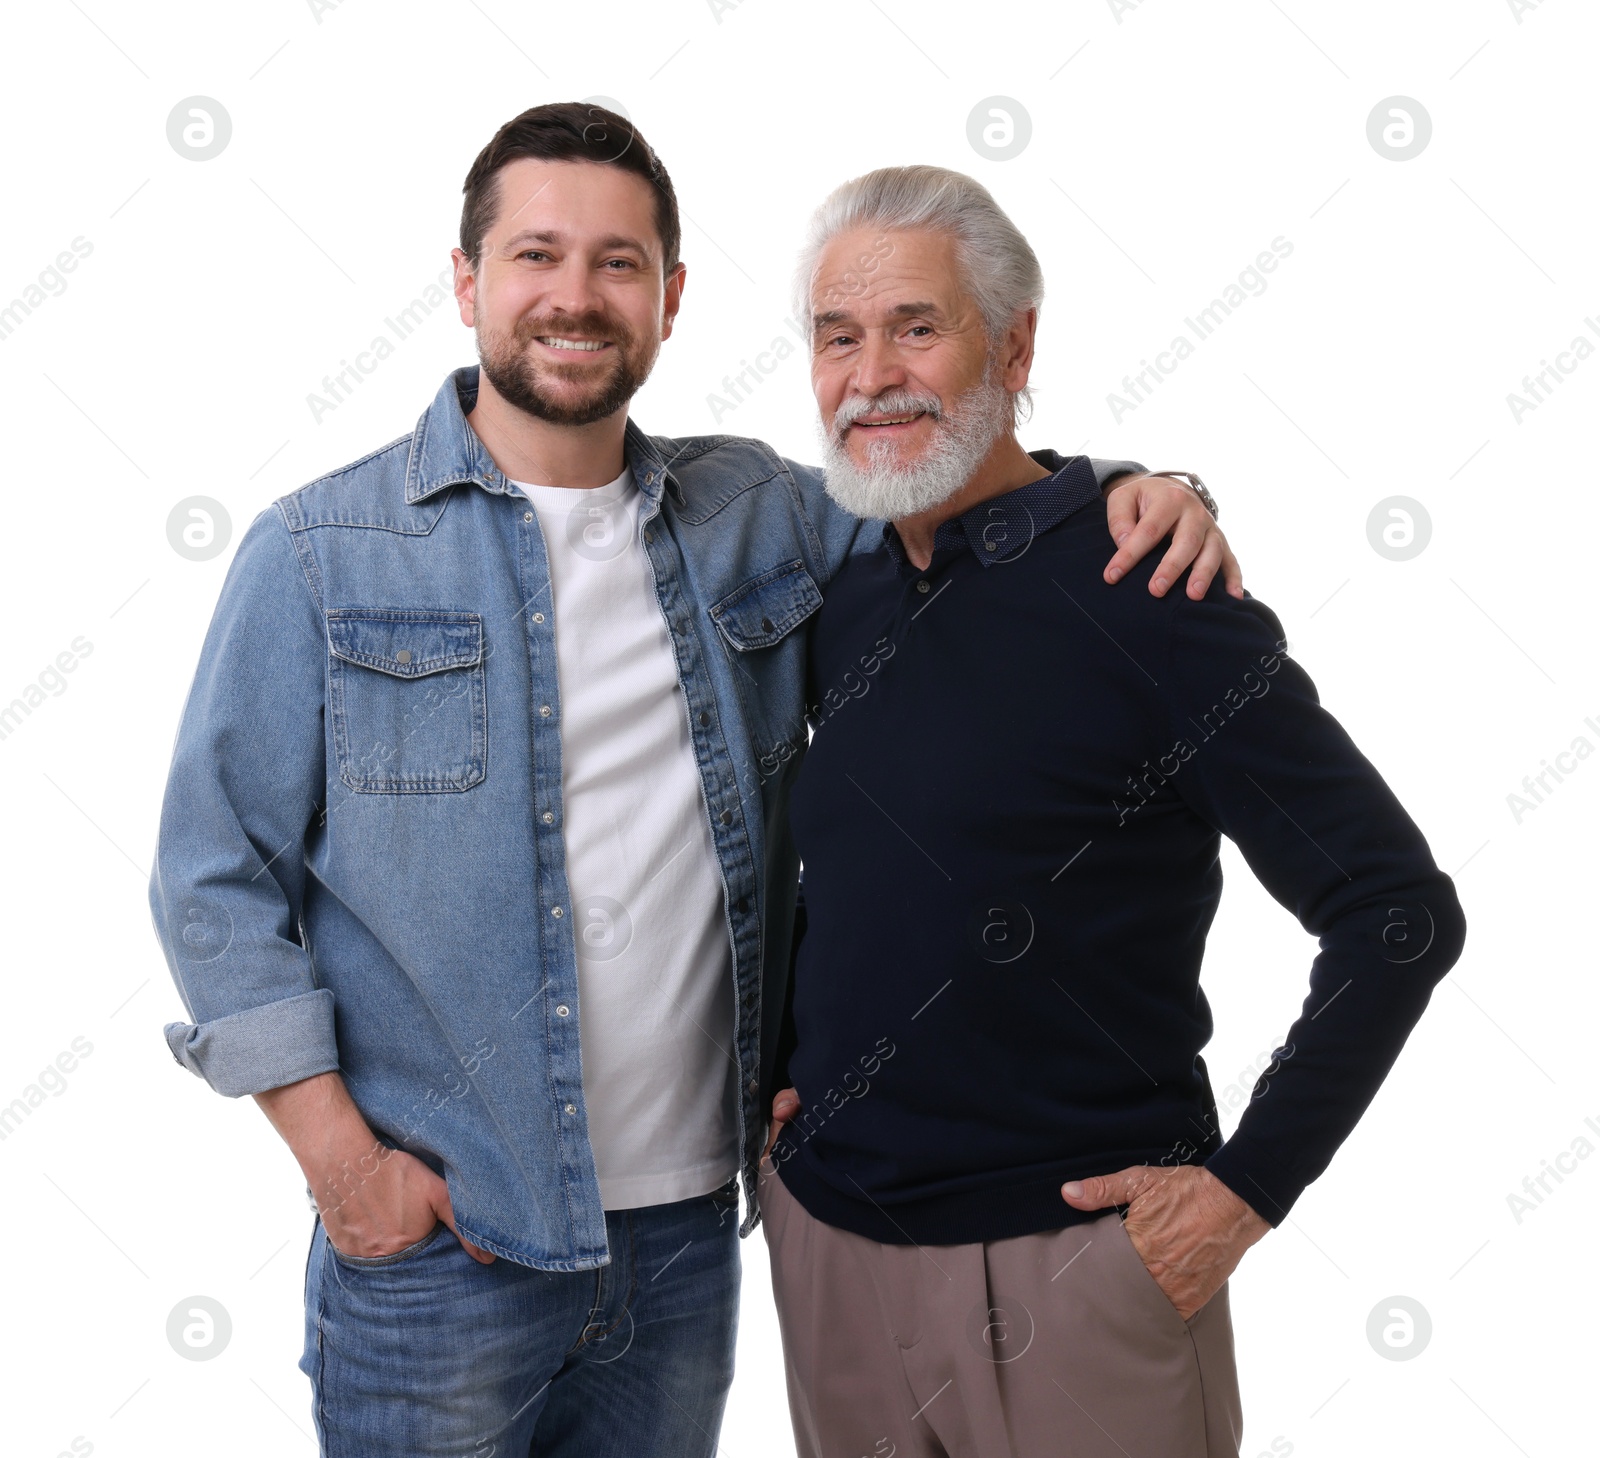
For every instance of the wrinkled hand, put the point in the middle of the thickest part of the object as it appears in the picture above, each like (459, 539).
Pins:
(381, 1212)
(1142, 510)
(785, 1105)
(1189, 1228)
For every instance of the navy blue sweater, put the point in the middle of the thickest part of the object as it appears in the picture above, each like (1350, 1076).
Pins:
(1010, 817)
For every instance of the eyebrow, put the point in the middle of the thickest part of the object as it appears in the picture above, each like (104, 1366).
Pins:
(925, 307)
(551, 235)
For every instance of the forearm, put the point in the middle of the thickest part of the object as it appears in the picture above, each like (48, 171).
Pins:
(1361, 1009)
(325, 1131)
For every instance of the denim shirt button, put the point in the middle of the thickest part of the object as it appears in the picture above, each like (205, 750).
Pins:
(527, 516)
(557, 912)
(548, 818)
(544, 711)
(752, 1088)
(563, 1010)
(572, 1108)
(538, 617)
(705, 718)
(726, 817)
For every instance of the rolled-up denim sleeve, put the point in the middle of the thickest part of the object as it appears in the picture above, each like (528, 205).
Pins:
(246, 784)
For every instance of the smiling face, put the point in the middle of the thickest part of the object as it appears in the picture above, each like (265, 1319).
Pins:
(568, 300)
(911, 392)
(888, 313)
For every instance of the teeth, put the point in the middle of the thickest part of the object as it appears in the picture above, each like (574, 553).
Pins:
(893, 420)
(587, 345)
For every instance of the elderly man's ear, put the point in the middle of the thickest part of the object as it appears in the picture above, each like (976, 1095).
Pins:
(1016, 350)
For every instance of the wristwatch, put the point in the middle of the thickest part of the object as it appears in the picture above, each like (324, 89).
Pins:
(1196, 485)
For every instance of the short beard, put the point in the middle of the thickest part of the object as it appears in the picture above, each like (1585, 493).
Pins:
(505, 361)
(885, 490)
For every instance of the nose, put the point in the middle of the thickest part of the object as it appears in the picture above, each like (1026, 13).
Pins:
(877, 367)
(572, 289)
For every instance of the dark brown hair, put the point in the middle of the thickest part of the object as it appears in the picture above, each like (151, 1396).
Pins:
(567, 131)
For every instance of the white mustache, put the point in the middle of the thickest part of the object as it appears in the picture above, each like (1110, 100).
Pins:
(893, 402)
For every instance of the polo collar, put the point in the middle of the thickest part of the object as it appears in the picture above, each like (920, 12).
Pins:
(1002, 528)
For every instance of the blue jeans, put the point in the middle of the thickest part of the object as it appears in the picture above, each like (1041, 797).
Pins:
(428, 1354)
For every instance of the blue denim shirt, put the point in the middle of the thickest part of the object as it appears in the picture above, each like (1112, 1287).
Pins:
(361, 865)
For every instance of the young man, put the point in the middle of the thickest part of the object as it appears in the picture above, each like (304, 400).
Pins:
(1010, 839)
(474, 864)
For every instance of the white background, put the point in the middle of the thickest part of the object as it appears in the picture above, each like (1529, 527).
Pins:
(1170, 144)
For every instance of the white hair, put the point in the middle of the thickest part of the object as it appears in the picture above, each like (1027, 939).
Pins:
(999, 269)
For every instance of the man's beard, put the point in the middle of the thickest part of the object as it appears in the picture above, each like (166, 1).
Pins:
(506, 361)
(886, 489)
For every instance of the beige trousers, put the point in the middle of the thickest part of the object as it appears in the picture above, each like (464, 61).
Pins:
(1055, 1345)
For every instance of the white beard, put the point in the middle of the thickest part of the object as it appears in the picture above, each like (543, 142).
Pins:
(886, 490)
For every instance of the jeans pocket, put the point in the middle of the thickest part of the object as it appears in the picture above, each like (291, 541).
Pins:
(406, 697)
(725, 1200)
(394, 1258)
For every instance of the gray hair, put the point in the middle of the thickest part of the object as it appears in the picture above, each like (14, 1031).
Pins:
(998, 267)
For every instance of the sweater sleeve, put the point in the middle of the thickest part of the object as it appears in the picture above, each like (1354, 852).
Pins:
(1259, 758)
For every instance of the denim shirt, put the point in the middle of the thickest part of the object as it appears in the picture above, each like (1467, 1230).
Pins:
(360, 864)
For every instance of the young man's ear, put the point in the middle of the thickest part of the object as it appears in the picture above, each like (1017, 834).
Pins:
(672, 298)
(465, 287)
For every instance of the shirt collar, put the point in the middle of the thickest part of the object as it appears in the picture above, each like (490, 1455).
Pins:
(1002, 528)
(446, 450)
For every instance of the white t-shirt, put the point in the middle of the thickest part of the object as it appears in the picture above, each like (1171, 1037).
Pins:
(655, 981)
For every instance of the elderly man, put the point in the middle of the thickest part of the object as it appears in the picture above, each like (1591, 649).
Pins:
(1010, 821)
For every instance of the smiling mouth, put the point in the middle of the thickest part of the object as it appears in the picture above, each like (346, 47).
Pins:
(580, 346)
(888, 421)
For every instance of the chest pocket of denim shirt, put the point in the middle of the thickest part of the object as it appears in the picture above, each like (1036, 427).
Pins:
(757, 621)
(406, 695)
